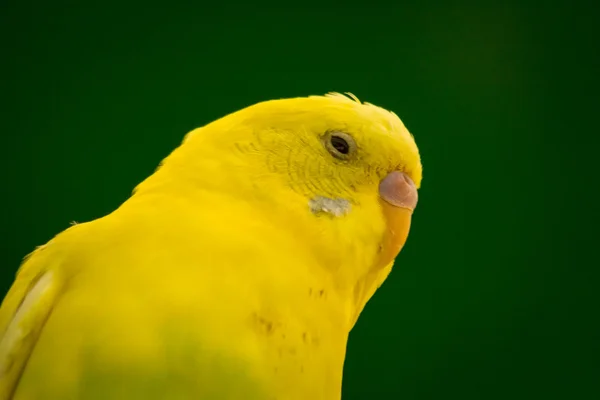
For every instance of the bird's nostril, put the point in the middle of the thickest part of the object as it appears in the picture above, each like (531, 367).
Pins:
(399, 190)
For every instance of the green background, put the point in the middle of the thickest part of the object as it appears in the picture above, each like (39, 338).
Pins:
(494, 295)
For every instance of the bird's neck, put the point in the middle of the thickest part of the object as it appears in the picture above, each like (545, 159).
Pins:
(338, 251)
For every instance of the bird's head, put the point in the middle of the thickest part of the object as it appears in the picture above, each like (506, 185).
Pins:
(342, 174)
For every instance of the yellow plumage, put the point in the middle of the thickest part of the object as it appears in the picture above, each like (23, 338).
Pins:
(218, 278)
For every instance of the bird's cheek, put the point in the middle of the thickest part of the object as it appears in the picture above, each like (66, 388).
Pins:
(398, 198)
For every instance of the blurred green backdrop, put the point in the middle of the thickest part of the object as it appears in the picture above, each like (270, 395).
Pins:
(488, 300)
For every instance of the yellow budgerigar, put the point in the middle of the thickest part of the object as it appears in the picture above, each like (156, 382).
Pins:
(235, 271)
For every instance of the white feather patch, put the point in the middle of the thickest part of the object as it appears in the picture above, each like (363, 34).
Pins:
(335, 207)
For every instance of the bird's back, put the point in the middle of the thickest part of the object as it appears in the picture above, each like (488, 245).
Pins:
(158, 304)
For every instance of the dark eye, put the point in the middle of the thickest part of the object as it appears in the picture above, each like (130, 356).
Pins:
(340, 145)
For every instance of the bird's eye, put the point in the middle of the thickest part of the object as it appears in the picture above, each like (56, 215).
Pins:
(340, 145)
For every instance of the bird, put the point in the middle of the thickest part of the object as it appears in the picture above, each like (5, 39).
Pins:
(235, 271)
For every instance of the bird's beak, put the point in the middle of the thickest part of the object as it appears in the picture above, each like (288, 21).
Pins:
(398, 199)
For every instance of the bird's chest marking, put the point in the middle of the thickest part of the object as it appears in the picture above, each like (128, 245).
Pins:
(326, 205)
